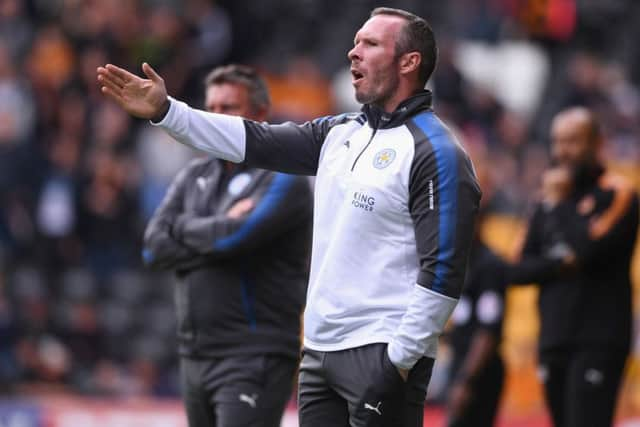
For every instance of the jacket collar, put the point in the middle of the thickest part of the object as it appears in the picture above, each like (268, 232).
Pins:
(379, 119)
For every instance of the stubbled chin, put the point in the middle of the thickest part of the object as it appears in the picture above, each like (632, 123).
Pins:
(361, 97)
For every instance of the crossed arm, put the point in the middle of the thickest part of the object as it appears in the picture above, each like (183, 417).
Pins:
(179, 239)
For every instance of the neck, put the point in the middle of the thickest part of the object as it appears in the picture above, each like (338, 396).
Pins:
(403, 92)
(409, 107)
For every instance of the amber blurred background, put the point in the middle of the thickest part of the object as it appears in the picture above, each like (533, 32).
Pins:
(79, 316)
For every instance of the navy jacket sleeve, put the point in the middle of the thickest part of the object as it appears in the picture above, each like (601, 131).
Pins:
(281, 203)
(444, 198)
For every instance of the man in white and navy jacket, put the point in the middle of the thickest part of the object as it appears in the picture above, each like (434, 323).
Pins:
(395, 202)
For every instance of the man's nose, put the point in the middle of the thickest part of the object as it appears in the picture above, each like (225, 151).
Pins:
(354, 54)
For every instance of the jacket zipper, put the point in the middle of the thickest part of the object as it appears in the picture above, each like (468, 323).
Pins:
(365, 148)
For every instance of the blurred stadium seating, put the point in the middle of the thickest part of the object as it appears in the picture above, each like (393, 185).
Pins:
(79, 316)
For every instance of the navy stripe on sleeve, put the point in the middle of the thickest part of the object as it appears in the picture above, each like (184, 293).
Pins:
(444, 150)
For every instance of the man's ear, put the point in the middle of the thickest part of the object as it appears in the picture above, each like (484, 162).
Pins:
(409, 62)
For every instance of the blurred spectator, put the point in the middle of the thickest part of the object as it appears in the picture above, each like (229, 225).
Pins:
(51, 59)
(9, 335)
(212, 39)
(107, 215)
(40, 353)
(15, 27)
(56, 209)
(301, 93)
(110, 128)
(16, 106)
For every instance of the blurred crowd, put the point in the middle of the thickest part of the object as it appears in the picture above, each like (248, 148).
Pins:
(79, 177)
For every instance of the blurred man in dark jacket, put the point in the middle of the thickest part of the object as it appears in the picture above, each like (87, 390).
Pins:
(578, 248)
(238, 239)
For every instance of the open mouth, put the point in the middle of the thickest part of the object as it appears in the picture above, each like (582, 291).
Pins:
(356, 75)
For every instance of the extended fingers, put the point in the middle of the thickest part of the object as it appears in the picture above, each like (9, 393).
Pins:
(150, 72)
(112, 94)
(104, 73)
(121, 73)
(110, 83)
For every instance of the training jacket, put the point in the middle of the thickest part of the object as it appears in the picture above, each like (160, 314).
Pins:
(395, 202)
(240, 282)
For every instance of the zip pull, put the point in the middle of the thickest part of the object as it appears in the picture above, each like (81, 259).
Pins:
(364, 149)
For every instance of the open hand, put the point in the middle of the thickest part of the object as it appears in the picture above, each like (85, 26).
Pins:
(143, 98)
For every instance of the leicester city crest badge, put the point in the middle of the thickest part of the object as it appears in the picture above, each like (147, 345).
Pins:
(384, 158)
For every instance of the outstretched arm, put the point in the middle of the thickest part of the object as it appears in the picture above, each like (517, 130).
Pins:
(287, 147)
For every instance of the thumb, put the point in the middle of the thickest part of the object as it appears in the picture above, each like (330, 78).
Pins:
(151, 73)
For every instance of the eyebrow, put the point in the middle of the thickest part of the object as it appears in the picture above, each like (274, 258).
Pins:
(369, 38)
